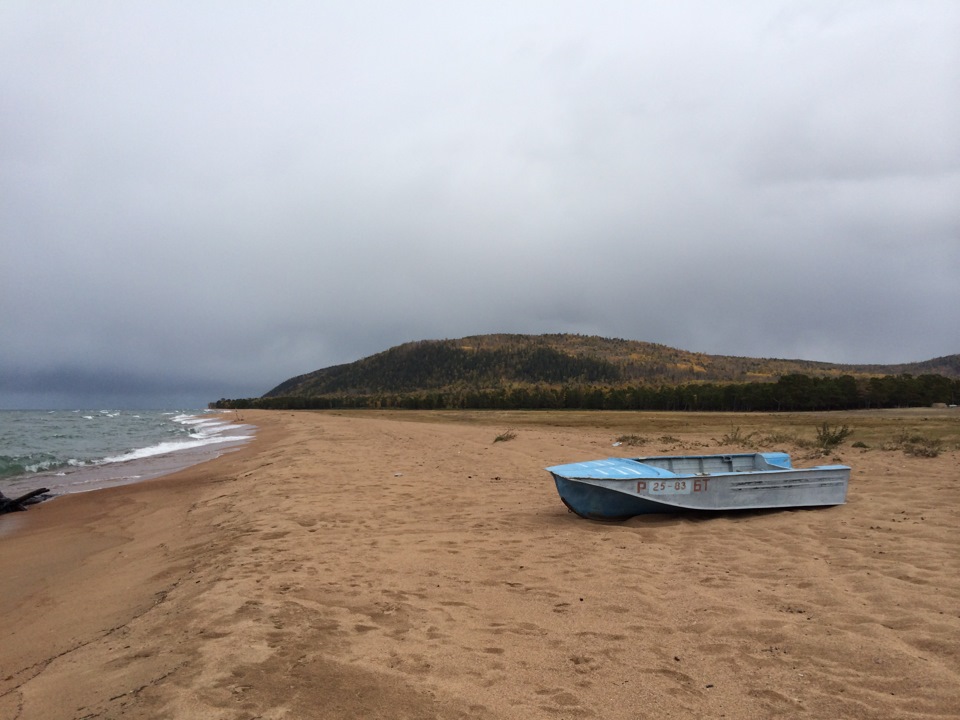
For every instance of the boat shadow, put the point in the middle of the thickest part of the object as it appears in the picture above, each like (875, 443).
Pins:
(680, 517)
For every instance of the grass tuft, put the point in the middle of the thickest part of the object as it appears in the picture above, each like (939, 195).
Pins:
(784, 439)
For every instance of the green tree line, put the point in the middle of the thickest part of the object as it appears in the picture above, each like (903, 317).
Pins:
(791, 393)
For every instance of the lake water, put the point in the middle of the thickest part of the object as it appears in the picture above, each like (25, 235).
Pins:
(80, 450)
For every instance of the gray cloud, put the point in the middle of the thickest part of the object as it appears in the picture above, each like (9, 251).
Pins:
(218, 197)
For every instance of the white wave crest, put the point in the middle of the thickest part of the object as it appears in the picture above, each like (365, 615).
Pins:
(171, 447)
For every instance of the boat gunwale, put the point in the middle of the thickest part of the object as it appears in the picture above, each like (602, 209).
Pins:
(659, 466)
(671, 475)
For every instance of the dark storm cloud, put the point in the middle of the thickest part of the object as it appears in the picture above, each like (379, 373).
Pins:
(218, 197)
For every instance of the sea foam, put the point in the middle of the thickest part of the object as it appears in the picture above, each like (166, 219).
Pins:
(84, 449)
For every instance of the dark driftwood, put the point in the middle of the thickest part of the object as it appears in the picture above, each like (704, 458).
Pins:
(19, 503)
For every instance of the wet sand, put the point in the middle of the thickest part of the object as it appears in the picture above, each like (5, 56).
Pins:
(407, 566)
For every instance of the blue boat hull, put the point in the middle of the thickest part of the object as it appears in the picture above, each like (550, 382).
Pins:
(595, 503)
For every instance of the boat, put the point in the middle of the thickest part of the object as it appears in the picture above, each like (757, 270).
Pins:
(618, 488)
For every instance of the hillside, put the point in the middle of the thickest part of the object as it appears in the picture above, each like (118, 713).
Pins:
(496, 362)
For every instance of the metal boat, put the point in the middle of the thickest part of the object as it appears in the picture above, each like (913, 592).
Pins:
(618, 488)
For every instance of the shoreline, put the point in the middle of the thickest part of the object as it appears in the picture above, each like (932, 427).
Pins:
(359, 565)
(99, 475)
(83, 569)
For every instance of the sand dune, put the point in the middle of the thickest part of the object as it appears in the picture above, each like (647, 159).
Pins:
(359, 566)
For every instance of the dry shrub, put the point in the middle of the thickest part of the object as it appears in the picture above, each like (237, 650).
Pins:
(916, 445)
(829, 437)
(735, 437)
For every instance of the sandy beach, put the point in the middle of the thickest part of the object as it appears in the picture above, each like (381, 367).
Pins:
(369, 565)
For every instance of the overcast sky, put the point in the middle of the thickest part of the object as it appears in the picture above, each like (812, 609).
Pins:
(201, 199)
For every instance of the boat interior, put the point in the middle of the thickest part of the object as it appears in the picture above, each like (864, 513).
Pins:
(710, 464)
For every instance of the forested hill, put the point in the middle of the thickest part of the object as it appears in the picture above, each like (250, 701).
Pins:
(497, 362)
